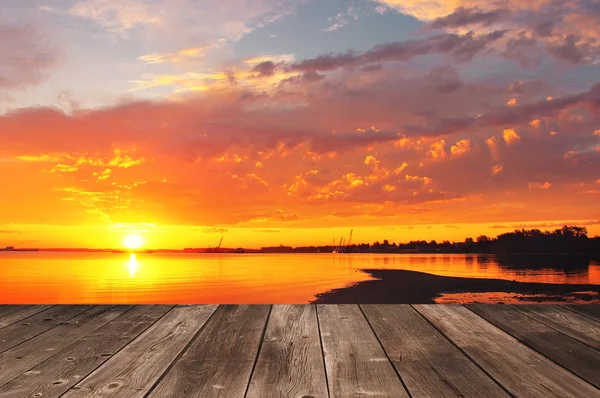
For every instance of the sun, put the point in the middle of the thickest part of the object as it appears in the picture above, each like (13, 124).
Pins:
(133, 242)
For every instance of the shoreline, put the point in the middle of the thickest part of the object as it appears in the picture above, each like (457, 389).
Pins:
(414, 287)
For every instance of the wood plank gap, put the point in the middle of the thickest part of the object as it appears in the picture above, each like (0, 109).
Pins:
(162, 376)
(219, 362)
(62, 323)
(38, 380)
(357, 363)
(322, 349)
(8, 308)
(463, 351)
(520, 309)
(534, 345)
(574, 309)
(260, 344)
(384, 350)
(16, 334)
(130, 373)
(96, 321)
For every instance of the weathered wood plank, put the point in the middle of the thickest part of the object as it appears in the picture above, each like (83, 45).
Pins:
(562, 349)
(355, 361)
(518, 368)
(429, 364)
(25, 356)
(220, 361)
(10, 314)
(290, 363)
(57, 374)
(590, 310)
(572, 324)
(17, 333)
(136, 368)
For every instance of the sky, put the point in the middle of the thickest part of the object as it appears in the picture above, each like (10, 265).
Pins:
(290, 122)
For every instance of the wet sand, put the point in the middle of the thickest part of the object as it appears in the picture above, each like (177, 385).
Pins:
(412, 287)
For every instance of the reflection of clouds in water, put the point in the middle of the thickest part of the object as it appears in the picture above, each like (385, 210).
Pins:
(132, 265)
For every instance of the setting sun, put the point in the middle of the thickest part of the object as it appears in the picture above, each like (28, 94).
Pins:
(133, 242)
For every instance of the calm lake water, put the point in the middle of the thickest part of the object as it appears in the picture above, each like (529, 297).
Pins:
(40, 277)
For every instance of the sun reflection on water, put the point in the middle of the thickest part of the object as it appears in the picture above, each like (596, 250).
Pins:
(132, 265)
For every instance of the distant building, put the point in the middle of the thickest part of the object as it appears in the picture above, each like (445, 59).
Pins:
(8, 249)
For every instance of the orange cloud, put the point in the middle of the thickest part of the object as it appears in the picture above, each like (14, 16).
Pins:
(512, 102)
(539, 185)
(535, 123)
(510, 136)
(497, 169)
(184, 55)
(437, 150)
(492, 143)
(462, 147)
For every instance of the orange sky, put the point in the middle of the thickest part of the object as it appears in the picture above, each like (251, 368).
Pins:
(478, 122)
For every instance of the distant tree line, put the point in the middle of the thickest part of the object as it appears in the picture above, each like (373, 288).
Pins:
(565, 240)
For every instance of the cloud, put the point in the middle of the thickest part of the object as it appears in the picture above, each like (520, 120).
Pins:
(510, 136)
(327, 143)
(468, 16)
(513, 115)
(539, 185)
(460, 47)
(118, 16)
(162, 19)
(185, 55)
(523, 49)
(266, 68)
(545, 29)
(26, 57)
(215, 230)
(570, 49)
(568, 29)
(462, 147)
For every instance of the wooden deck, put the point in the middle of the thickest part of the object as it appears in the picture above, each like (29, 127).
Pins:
(300, 351)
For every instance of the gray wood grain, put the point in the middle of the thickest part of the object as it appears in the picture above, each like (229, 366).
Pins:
(572, 324)
(36, 324)
(590, 310)
(10, 314)
(428, 363)
(133, 371)
(220, 361)
(562, 349)
(355, 361)
(290, 363)
(518, 368)
(57, 374)
(25, 356)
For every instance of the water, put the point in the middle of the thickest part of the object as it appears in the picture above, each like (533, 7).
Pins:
(71, 278)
